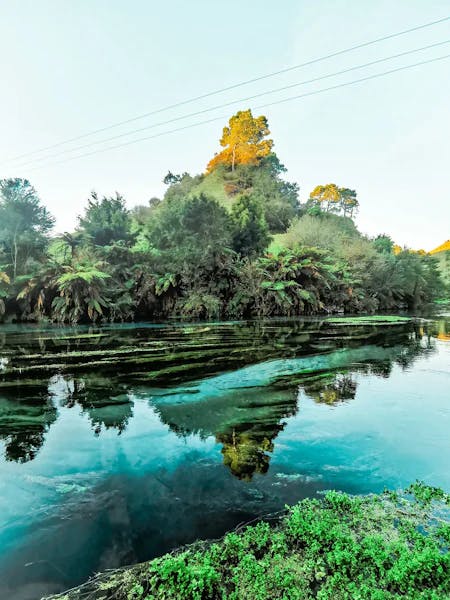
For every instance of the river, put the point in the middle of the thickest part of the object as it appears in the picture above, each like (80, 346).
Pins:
(119, 443)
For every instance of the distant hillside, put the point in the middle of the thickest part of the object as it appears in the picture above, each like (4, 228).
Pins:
(442, 253)
(442, 248)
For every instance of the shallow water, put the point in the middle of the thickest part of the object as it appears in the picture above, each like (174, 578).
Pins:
(120, 443)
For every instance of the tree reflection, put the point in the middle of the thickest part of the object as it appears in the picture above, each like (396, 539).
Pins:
(28, 409)
(106, 403)
(247, 453)
(24, 424)
(244, 420)
(441, 330)
(331, 388)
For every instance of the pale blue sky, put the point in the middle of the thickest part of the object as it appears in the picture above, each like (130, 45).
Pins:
(69, 67)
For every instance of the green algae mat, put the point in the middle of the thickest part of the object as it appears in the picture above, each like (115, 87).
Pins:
(369, 320)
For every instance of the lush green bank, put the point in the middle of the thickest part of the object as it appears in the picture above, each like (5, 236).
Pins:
(232, 243)
(342, 547)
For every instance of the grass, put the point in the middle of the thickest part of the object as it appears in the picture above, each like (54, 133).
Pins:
(213, 185)
(339, 547)
(278, 243)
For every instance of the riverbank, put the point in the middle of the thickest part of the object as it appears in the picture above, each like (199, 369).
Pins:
(391, 545)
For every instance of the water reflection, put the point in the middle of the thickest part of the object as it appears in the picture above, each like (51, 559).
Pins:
(442, 330)
(107, 405)
(23, 426)
(101, 371)
(331, 388)
(122, 443)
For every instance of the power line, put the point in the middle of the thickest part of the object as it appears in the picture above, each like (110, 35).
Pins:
(289, 99)
(224, 105)
(231, 87)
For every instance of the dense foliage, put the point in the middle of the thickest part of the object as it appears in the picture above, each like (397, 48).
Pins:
(339, 547)
(232, 243)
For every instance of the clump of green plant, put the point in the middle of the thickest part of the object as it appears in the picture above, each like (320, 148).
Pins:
(377, 547)
(369, 320)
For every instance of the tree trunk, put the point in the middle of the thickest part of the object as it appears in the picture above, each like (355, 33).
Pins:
(233, 158)
(15, 256)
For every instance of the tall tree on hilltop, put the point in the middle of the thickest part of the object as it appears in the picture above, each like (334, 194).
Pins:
(243, 141)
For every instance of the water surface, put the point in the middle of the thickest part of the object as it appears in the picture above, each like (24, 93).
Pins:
(120, 443)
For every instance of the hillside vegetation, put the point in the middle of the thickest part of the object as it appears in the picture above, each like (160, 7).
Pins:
(442, 255)
(445, 247)
(233, 242)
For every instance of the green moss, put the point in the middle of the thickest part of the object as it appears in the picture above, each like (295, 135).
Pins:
(368, 320)
(339, 547)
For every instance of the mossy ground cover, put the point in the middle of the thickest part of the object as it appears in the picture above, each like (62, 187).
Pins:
(338, 547)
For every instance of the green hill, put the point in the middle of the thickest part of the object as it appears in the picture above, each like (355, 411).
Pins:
(442, 254)
(442, 248)
(213, 185)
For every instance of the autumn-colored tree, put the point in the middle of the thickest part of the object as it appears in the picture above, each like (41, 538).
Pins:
(332, 198)
(243, 141)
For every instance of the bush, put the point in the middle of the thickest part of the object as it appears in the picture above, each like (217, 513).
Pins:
(341, 547)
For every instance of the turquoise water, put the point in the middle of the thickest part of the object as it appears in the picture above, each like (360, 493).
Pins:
(120, 443)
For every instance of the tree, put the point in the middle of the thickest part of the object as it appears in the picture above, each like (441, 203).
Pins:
(80, 293)
(172, 178)
(291, 282)
(4, 283)
(182, 186)
(383, 244)
(326, 196)
(332, 198)
(251, 234)
(189, 231)
(279, 197)
(24, 224)
(243, 141)
(106, 221)
(348, 201)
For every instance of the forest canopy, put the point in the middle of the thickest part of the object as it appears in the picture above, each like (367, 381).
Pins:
(234, 242)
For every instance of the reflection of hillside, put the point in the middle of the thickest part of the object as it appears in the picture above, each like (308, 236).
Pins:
(438, 328)
(242, 408)
(244, 411)
(245, 421)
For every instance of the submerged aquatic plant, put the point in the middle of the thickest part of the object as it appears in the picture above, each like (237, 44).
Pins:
(369, 320)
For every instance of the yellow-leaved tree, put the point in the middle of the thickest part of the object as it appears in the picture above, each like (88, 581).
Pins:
(332, 198)
(243, 141)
